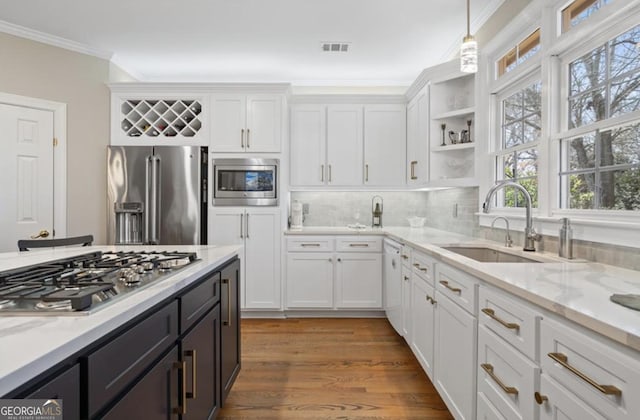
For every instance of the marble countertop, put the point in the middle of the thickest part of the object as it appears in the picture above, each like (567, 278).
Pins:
(29, 345)
(574, 289)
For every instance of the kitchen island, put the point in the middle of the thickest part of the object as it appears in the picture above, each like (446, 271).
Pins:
(32, 346)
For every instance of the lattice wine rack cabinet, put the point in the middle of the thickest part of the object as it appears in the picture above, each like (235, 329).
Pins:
(160, 117)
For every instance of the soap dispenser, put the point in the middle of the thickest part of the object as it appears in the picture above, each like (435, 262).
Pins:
(565, 239)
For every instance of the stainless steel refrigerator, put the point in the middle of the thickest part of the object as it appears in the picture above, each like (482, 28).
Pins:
(157, 195)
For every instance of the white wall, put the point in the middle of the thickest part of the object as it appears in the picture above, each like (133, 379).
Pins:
(42, 71)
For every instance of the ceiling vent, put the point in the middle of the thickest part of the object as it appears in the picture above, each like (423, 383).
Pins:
(335, 46)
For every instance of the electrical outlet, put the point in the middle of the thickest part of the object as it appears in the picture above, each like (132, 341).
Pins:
(305, 208)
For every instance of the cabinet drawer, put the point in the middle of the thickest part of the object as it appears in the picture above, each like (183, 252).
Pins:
(486, 410)
(65, 386)
(197, 301)
(509, 319)
(405, 255)
(422, 266)
(562, 404)
(118, 363)
(597, 373)
(310, 244)
(359, 244)
(505, 377)
(458, 286)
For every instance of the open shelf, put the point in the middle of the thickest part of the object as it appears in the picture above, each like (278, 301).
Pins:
(450, 147)
(456, 113)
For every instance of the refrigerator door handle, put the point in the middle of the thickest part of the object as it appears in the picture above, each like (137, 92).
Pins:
(147, 198)
(154, 200)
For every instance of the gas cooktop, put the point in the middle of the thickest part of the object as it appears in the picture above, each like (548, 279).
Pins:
(81, 284)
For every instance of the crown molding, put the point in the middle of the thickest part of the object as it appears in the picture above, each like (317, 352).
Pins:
(56, 41)
(348, 99)
(182, 87)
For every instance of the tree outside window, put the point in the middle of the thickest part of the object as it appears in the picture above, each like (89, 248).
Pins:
(601, 169)
(517, 159)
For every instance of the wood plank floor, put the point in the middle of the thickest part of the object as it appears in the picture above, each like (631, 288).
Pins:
(329, 369)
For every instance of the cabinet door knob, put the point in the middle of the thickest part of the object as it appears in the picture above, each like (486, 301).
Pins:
(540, 399)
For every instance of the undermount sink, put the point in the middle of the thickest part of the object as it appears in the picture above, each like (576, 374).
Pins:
(489, 255)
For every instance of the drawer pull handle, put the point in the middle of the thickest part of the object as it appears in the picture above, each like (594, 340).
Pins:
(605, 389)
(405, 257)
(453, 289)
(416, 265)
(228, 321)
(432, 300)
(540, 399)
(492, 314)
(359, 245)
(182, 367)
(194, 369)
(424, 269)
(308, 245)
(508, 389)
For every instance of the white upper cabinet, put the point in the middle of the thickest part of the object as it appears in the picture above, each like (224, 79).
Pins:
(418, 139)
(246, 123)
(344, 145)
(308, 144)
(329, 144)
(384, 144)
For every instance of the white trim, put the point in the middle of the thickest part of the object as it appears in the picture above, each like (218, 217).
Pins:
(56, 41)
(348, 99)
(161, 88)
(59, 110)
(616, 232)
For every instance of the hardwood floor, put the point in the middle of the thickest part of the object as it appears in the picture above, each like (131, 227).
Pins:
(329, 369)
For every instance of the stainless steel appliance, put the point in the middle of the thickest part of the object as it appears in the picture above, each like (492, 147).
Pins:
(157, 195)
(81, 284)
(245, 182)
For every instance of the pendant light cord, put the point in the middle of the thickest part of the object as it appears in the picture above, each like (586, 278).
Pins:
(468, 19)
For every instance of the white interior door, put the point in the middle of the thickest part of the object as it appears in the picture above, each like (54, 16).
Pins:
(26, 190)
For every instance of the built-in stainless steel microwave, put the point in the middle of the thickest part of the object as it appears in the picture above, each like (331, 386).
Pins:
(245, 182)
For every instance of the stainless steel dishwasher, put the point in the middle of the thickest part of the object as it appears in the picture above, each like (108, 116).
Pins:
(393, 283)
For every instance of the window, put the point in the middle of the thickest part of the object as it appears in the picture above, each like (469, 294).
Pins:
(600, 167)
(517, 159)
(520, 53)
(578, 11)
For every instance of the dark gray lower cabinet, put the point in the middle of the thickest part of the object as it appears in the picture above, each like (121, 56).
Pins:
(230, 326)
(155, 397)
(65, 386)
(200, 352)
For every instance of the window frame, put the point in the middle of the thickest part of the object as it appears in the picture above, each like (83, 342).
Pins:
(503, 63)
(498, 152)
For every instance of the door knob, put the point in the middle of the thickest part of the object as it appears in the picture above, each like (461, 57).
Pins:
(42, 234)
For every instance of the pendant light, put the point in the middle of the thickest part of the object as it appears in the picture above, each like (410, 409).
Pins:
(469, 50)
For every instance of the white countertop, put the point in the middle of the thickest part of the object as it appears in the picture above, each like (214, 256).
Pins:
(575, 290)
(29, 345)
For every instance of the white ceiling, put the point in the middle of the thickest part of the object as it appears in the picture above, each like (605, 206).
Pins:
(260, 40)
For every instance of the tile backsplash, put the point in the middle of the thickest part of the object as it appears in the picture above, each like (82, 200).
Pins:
(447, 209)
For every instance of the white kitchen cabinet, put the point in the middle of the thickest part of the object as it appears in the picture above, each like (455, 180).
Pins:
(455, 357)
(385, 144)
(246, 123)
(506, 378)
(406, 303)
(418, 139)
(591, 369)
(344, 145)
(258, 229)
(310, 280)
(321, 277)
(308, 145)
(359, 280)
(562, 404)
(423, 310)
